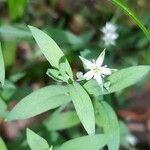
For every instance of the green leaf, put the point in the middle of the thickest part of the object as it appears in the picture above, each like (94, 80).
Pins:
(93, 142)
(62, 121)
(50, 49)
(15, 33)
(2, 145)
(3, 108)
(9, 55)
(107, 119)
(131, 14)
(54, 74)
(2, 68)
(87, 36)
(119, 80)
(66, 37)
(40, 101)
(19, 8)
(83, 106)
(35, 141)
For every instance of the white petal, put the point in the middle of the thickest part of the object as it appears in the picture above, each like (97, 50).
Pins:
(98, 78)
(88, 75)
(100, 59)
(87, 63)
(106, 71)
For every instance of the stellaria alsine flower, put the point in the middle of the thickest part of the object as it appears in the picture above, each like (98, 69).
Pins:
(109, 34)
(96, 70)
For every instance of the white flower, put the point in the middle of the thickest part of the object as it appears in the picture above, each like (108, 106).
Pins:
(79, 76)
(132, 140)
(110, 34)
(96, 70)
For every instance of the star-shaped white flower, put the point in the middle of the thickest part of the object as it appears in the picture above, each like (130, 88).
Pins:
(96, 70)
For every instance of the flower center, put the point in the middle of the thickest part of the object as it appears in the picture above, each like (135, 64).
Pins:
(96, 70)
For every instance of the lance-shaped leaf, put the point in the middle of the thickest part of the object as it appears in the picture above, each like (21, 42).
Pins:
(133, 16)
(93, 142)
(119, 80)
(36, 142)
(107, 119)
(2, 68)
(83, 106)
(62, 121)
(40, 101)
(50, 49)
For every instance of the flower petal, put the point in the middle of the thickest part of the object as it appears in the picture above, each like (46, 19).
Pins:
(106, 71)
(100, 59)
(87, 63)
(99, 80)
(88, 75)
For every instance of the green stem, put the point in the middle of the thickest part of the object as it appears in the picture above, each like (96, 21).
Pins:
(131, 14)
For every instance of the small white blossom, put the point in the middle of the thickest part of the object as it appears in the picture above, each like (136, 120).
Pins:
(79, 76)
(132, 140)
(96, 70)
(110, 34)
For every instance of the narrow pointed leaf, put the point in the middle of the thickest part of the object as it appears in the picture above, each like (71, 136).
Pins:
(83, 106)
(2, 68)
(50, 49)
(133, 16)
(40, 101)
(93, 142)
(107, 119)
(35, 141)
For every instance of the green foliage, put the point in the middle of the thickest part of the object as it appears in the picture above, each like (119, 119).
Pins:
(50, 49)
(40, 101)
(3, 108)
(2, 68)
(9, 56)
(54, 74)
(65, 38)
(94, 142)
(107, 120)
(36, 142)
(15, 33)
(130, 13)
(61, 121)
(2, 145)
(119, 80)
(83, 106)
(19, 8)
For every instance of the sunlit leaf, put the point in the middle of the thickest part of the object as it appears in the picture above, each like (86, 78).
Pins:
(93, 142)
(83, 106)
(40, 101)
(107, 119)
(35, 141)
(50, 49)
